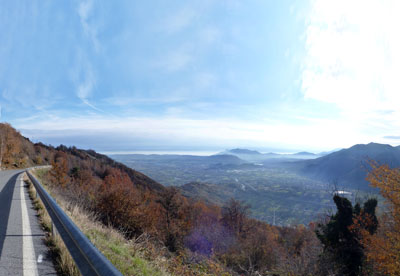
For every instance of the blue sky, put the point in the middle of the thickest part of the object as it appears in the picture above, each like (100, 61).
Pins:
(201, 75)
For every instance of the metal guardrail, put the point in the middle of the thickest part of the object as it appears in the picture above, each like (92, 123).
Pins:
(87, 257)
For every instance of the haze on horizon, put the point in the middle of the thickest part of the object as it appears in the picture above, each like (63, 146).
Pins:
(201, 75)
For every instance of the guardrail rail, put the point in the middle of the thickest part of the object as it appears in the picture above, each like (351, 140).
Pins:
(89, 260)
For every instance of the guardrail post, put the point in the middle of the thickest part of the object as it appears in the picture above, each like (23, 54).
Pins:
(53, 229)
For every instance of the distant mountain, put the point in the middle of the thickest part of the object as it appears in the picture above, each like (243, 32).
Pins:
(349, 167)
(256, 156)
(300, 155)
(323, 153)
(305, 153)
(180, 159)
(244, 151)
(224, 159)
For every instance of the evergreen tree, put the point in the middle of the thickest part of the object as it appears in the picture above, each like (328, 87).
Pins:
(340, 240)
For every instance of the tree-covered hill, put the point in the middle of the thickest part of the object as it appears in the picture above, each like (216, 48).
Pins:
(349, 167)
(201, 238)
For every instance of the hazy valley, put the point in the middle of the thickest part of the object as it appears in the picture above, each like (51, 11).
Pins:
(283, 188)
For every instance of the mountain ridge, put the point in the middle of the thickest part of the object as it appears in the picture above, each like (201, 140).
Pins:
(349, 166)
(256, 156)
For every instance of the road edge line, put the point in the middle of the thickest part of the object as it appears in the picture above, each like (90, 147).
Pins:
(29, 266)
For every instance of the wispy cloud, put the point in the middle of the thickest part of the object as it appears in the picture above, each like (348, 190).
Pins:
(90, 29)
(174, 130)
(189, 21)
(85, 88)
(205, 71)
(85, 80)
(203, 40)
(27, 96)
(126, 101)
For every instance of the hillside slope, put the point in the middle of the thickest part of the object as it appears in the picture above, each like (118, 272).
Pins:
(199, 239)
(349, 167)
(19, 152)
(90, 157)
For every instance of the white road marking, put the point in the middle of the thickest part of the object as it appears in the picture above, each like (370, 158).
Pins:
(28, 251)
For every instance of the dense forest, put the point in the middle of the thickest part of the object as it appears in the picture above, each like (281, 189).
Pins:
(350, 241)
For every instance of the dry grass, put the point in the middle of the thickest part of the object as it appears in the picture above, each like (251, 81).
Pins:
(62, 260)
(134, 257)
(141, 256)
(128, 256)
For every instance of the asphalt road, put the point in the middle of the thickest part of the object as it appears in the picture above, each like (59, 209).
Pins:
(22, 248)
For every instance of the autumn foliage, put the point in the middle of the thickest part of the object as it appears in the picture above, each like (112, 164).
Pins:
(213, 239)
(122, 198)
(10, 147)
(383, 249)
(220, 240)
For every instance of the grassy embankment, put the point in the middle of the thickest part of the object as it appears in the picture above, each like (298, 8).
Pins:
(141, 256)
(133, 257)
